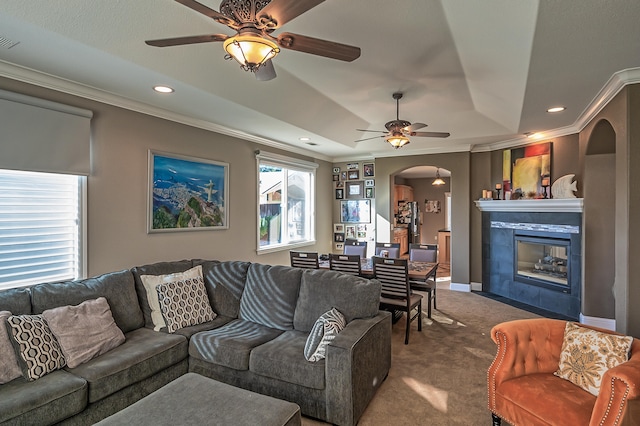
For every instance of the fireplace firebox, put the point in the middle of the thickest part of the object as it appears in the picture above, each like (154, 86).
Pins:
(543, 261)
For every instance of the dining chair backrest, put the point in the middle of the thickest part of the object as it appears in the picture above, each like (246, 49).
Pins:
(304, 259)
(356, 247)
(393, 249)
(346, 263)
(423, 252)
(393, 274)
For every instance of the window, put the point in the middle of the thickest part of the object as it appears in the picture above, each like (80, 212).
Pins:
(286, 216)
(40, 227)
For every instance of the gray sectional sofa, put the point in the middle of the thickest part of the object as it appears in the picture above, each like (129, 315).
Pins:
(256, 342)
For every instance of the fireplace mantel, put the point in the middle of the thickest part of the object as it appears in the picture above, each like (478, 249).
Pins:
(573, 205)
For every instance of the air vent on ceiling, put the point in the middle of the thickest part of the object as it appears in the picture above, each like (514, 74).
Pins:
(6, 43)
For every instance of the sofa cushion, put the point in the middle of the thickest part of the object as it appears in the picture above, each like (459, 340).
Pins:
(143, 354)
(323, 332)
(48, 400)
(117, 287)
(219, 321)
(282, 358)
(9, 367)
(184, 303)
(231, 344)
(16, 301)
(159, 268)
(225, 282)
(37, 349)
(587, 354)
(270, 296)
(321, 290)
(84, 331)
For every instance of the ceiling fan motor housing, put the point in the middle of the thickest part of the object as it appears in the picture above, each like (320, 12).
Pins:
(246, 12)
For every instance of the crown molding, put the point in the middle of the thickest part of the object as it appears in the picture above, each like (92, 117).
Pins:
(47, 81)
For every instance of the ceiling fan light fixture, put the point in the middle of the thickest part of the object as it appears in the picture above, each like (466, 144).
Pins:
(397, 141)
(438, 180)
(250, 50)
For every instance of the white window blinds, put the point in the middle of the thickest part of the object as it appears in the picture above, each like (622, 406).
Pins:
(40, 238)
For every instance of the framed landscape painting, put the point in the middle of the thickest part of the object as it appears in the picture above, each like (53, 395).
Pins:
(187, 193)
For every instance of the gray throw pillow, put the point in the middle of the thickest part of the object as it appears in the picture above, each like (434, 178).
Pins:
(9, 368)
(325, 329)
(184, 303)
(37, 348)
(84, 331)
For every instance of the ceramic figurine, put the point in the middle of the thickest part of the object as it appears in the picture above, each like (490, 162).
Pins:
(563, 187)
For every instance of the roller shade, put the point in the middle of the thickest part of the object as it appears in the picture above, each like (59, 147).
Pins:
(44, 136)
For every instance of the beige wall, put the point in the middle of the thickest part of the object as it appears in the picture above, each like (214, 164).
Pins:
(118, 189)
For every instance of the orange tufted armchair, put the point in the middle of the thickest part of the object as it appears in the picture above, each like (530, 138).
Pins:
(524, 391)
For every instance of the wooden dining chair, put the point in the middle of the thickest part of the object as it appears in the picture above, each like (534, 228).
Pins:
(355, 247)
(345, 263)
(423, 252)
(304, 259)
(392, 248)
(396, 294)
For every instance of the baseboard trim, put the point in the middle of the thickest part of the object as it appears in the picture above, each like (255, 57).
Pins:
(460, 287)
(476, 286)
(606, 323)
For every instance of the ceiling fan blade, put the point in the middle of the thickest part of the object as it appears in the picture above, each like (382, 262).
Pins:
(431, 134)
(266, 72)
(283, 11)
(377, 131)
(366, 139)
(315, 46)
(178, 41)
(207, 11)
(415, 126)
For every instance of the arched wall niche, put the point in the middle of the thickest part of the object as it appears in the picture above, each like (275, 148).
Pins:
(599, 229)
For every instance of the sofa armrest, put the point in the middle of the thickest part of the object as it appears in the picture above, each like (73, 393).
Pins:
(357, 362)
(524, 347)
(620, 386)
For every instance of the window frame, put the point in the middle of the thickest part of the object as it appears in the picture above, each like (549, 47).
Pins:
(289, 164)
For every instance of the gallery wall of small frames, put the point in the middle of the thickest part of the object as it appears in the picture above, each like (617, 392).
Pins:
(354, 187)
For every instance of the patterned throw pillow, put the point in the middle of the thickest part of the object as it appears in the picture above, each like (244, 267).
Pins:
(150, 283)
(184, 303)
(325, 329)
(9, 368)
(38, 350)
(587, 354)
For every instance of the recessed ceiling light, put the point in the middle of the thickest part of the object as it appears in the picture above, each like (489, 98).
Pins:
(163, 89)
(556, 109)
(304, 139)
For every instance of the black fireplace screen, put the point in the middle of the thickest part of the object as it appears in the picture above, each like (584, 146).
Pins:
(543, 261)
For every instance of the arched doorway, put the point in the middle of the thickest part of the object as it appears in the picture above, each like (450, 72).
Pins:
(599, 225)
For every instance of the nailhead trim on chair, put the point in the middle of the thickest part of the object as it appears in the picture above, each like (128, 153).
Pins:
(502, 342)
(624, 399)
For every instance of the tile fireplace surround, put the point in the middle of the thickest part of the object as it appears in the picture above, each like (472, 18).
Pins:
(550, 222)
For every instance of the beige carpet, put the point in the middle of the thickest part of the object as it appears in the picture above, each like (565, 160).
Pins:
(439, 378)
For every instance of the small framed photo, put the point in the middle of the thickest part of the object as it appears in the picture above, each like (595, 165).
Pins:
(338, 227)
(369, 193)
(362, 228)
(336, 177)
(354, 174)
(343, 175)
(340, 184)
(336, 170)
(369, 182)
(355, 189)
(353, 166)
(338, 237)
(350, 231)
(339, 194)
(338, 246)
(362, 234)
(368, 170)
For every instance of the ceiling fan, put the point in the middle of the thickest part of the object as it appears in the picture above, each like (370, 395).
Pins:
(398, 131)
(253, 46)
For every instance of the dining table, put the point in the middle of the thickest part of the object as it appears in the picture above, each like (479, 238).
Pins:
(418, 271)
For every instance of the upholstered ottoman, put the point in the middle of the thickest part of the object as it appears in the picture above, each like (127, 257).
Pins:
(192, 399)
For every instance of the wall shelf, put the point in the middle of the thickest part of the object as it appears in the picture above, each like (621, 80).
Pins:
(545, 205)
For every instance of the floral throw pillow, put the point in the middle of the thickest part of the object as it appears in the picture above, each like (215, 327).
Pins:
(587, 354)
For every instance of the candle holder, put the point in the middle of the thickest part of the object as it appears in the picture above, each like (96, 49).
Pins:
(498, 191)
(544, 191)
